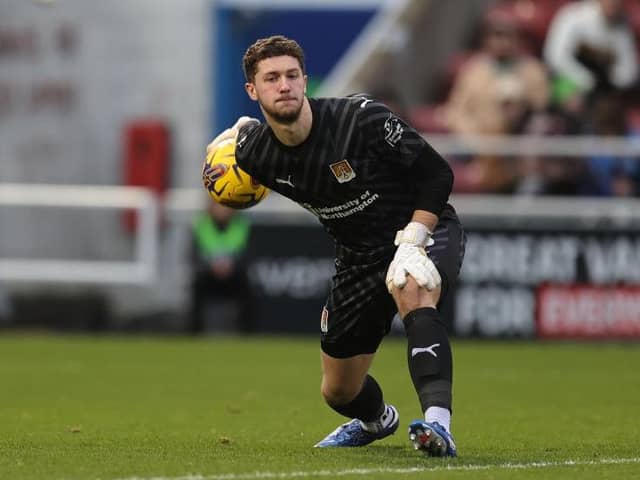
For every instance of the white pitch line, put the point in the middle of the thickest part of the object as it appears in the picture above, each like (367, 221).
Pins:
(396, 471)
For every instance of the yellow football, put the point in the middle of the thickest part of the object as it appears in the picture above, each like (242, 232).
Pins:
(227, 183)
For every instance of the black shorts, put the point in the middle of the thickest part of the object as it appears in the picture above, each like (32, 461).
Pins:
(359, 309)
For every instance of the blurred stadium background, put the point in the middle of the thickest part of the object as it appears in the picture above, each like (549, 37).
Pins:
(105, 110)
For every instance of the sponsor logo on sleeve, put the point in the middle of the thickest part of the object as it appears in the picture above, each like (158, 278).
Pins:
(393, 130)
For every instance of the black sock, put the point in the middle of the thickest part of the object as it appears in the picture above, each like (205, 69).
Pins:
(368, 404)
(429, 357)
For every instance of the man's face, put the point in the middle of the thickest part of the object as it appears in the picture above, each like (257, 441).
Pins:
(502, 41)
(279, 87)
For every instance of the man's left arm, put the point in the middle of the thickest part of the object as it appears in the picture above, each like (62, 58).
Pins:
(434, 181)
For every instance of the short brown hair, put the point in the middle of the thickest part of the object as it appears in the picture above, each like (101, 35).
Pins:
(274, 46)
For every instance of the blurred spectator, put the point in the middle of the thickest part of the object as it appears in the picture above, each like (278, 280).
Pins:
(591, 50)
(495, 77)
(221, 295)
(549, 175)
(494, 93)
(610, 175)
(534, 17)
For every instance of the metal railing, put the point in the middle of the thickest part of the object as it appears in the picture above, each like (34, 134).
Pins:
(140, 270)
(178, 205)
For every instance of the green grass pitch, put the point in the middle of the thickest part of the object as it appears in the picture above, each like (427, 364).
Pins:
(249, 408)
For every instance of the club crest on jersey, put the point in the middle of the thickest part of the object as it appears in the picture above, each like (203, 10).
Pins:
(342, 171)
(324, 320)
(393, 130)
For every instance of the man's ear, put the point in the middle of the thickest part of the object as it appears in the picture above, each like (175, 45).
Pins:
(251, 91)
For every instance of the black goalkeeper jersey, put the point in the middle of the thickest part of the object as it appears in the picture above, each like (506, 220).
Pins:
(362, 171)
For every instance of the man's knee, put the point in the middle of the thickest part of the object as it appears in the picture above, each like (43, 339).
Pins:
(412, 297)
(338, 393)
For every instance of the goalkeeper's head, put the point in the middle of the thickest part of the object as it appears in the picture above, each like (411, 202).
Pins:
(274, 46)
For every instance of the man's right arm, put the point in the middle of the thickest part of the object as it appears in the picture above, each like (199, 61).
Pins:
(230, 134)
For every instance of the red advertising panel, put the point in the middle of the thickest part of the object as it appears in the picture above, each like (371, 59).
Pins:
(581, 311)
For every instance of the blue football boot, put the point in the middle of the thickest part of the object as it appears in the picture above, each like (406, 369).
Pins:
(353, 435)
(432, 438)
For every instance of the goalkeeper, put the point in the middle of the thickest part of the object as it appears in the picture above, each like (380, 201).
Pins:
(381, 191)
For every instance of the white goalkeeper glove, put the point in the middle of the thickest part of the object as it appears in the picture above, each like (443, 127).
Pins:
(230, 134)
(411, 259)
